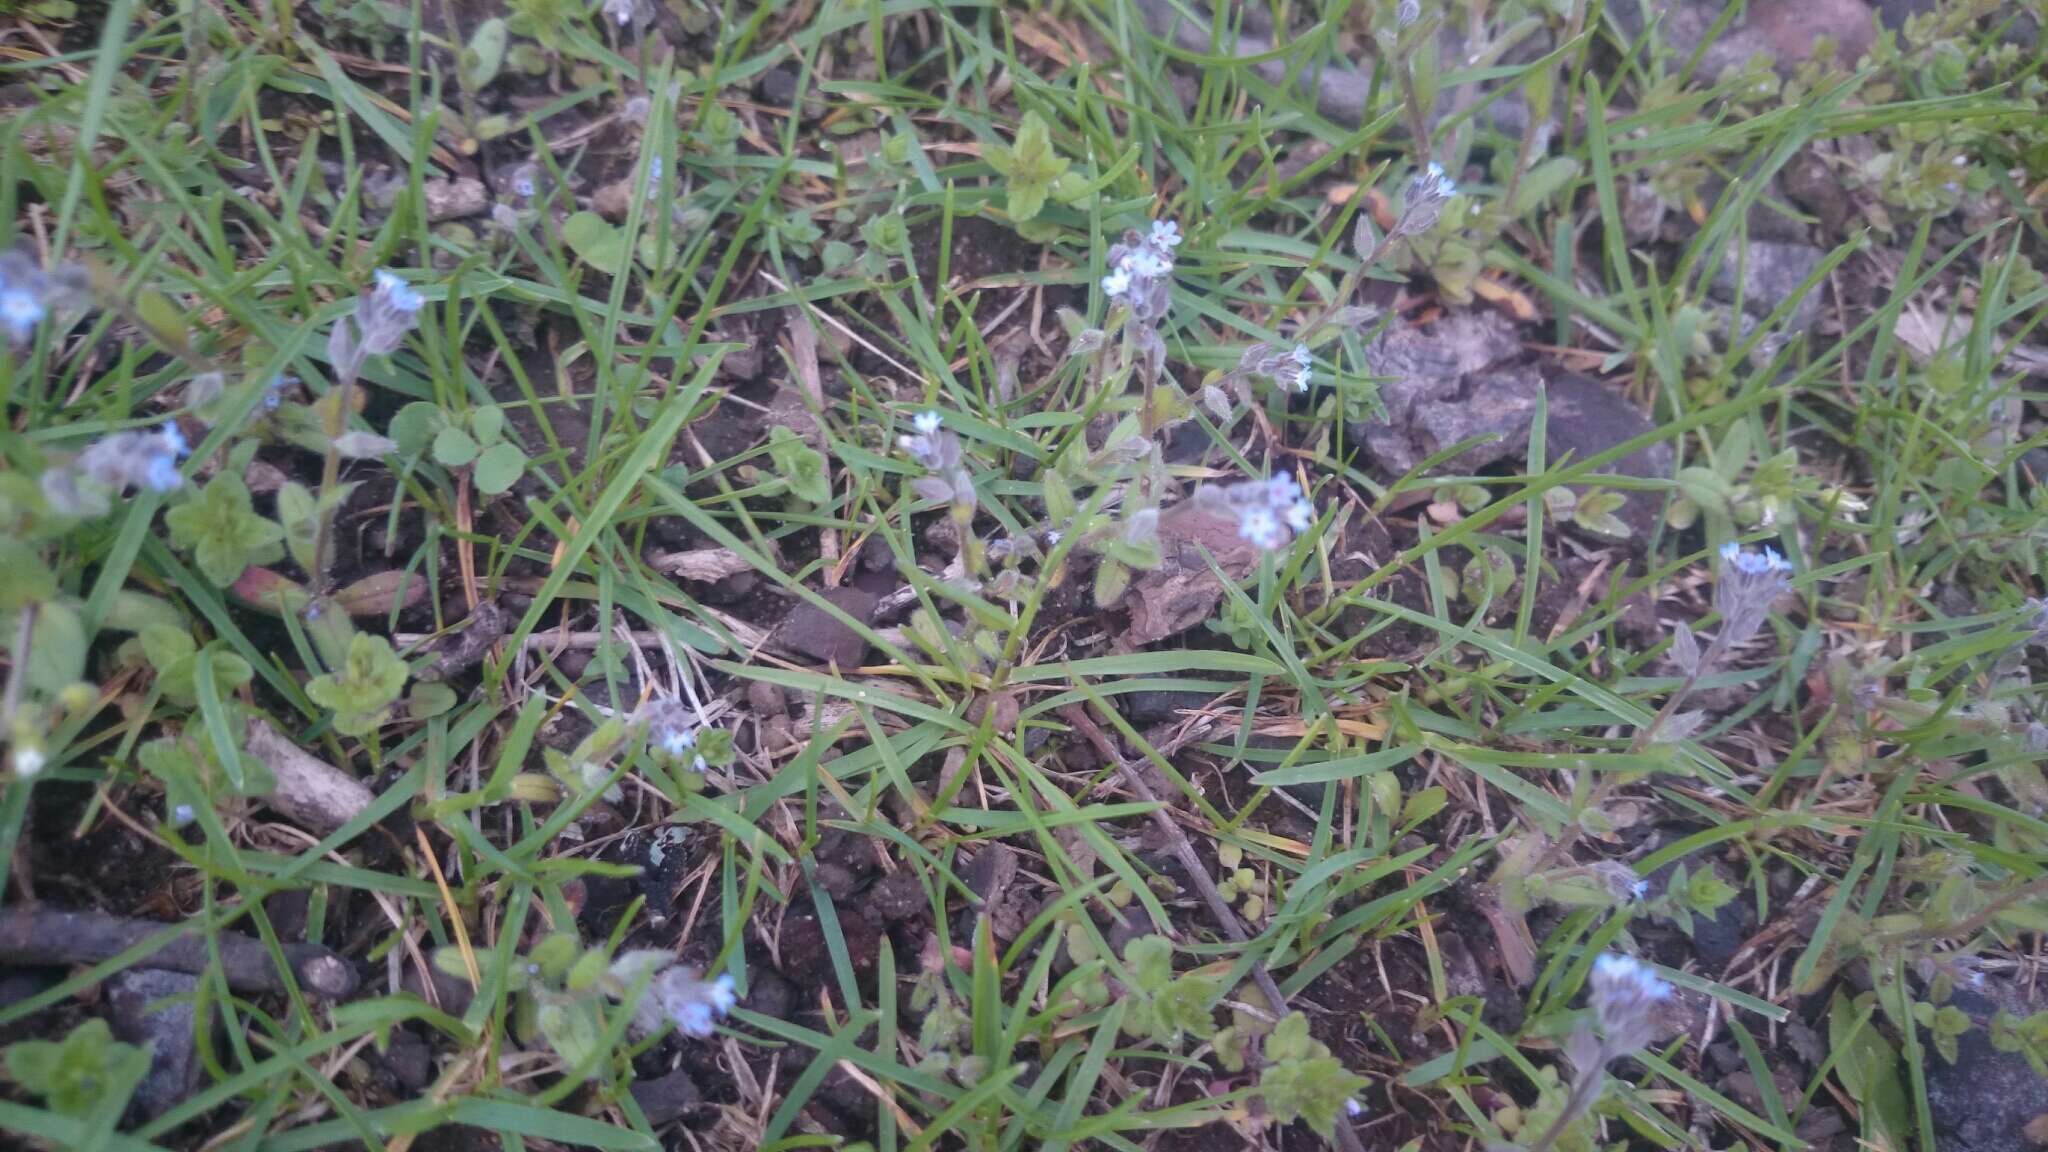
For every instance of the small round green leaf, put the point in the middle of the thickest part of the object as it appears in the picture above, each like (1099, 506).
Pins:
(454, 448)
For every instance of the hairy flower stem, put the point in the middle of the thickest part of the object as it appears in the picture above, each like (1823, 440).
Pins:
(1585, 1089)
(330, 477)
(1708, 659)
(1418, 122)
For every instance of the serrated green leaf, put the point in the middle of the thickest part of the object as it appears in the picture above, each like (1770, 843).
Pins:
(361, 692)
(222, 530)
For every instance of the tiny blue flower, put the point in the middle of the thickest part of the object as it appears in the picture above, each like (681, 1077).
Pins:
(694, 1005)
(182, 815)
(397, 294)
(20, 312)
(173, 439)
(927, 423)
(1445, 186)
(694, 1019)
(523, 187)
(1258, 525)
(1117, 283)
(161, 474)
(1626, 994)
(1165, 234)
(1146, 264)
(1744, 589)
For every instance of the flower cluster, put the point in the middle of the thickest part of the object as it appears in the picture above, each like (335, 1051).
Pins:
(378, 325)
(1291, 369)
(1748, 582)
(1269, 513)
(1625, 1000)
(938, 450)
(693, 1004)
(27, 293)
(1428, 191)
(672, 730)
(1141, 270)
(112, 465)
(1626, 995)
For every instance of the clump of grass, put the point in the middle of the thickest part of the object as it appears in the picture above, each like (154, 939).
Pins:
(655, 543)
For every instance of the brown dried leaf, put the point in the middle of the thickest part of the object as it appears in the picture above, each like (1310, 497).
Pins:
(1183, 592)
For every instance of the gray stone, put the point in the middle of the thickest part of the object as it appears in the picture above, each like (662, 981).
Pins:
(1155, 706)
(1983, 1101)
(666, 1098)
(1439, 387)
(1456, 380)
(1771, 274)
(1586, 418)
(135, 999)
(1785, 30)
(811, 631)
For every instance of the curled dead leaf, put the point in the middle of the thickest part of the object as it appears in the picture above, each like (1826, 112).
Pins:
(703, 565)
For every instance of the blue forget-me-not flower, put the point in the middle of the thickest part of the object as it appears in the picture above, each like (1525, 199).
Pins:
(113, 465)
(1269, 513)
(1747, 584)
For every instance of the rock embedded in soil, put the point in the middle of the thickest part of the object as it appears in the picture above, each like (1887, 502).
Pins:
(409, 1059)
(1587, 418)
(897, 897)
(137, 1000)
(1183, 591)
(1771, 273)
(812, 632)
(666, 1098)
(1457, 379)
(1984, 1101)
(1784, 30)
(1154, 706)
(1437, 389)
